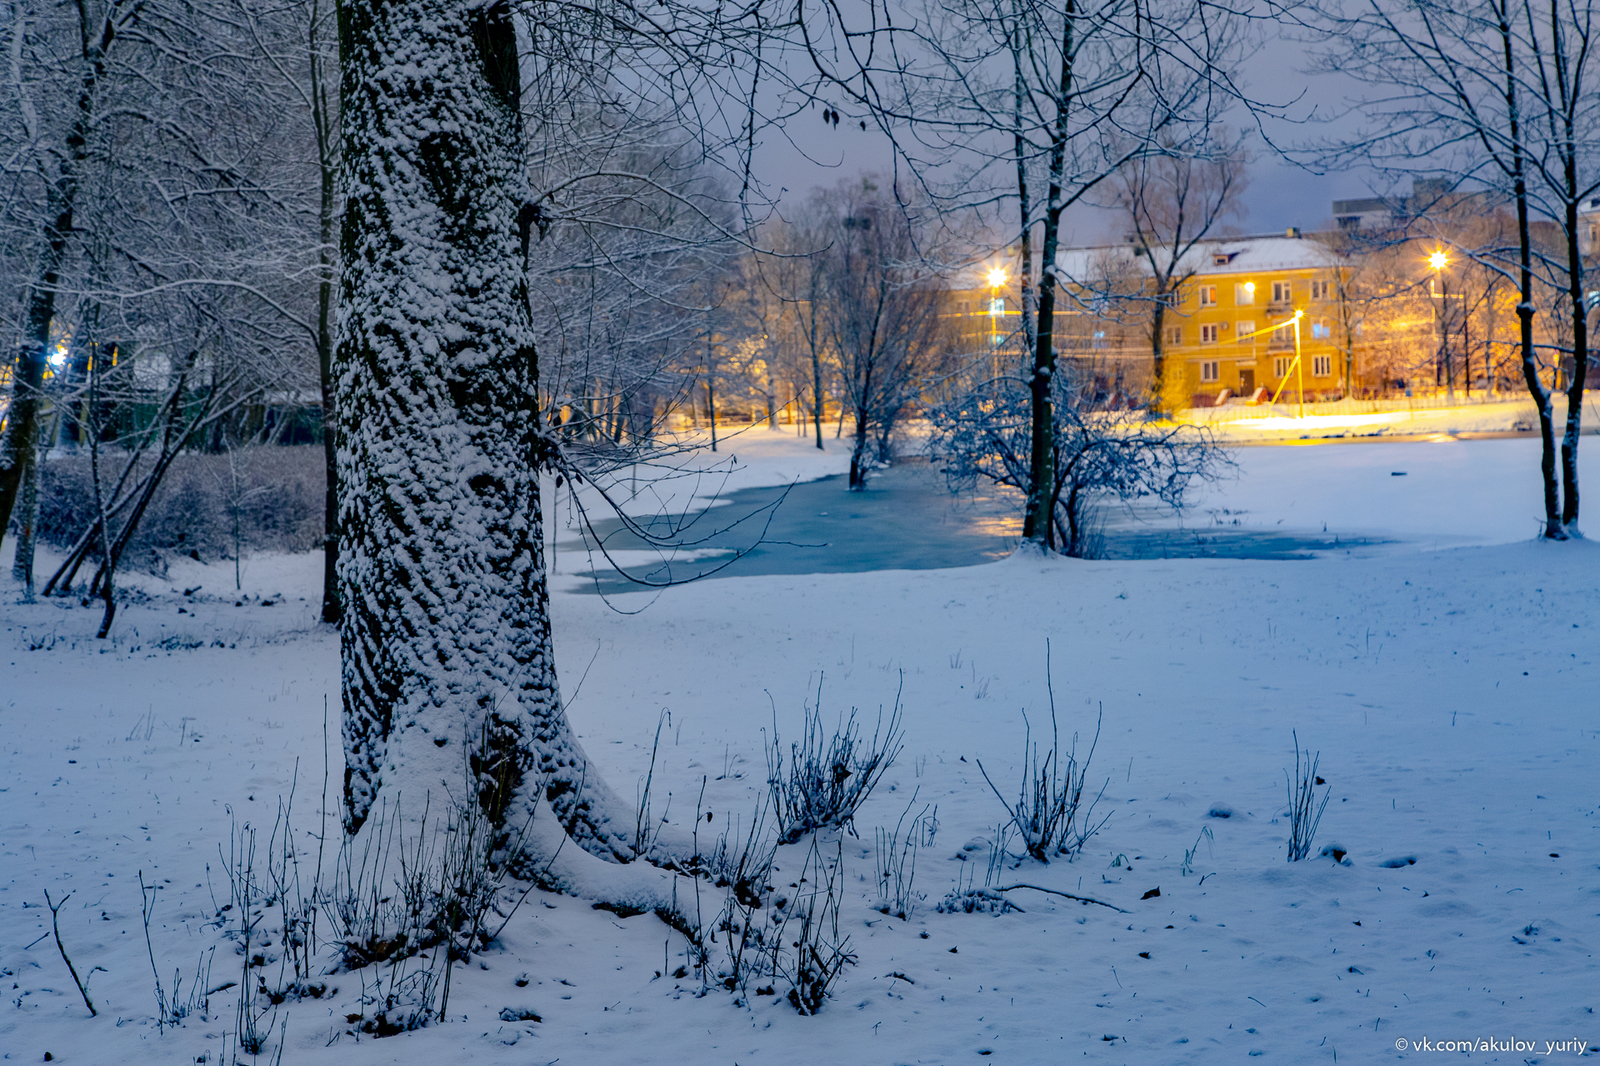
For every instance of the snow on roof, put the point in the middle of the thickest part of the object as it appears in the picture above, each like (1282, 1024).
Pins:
(1228, 255)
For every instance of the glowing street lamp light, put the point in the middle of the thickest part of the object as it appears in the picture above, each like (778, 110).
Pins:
(997, 279)
(1438, 261)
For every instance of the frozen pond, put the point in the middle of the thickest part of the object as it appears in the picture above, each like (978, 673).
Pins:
(1281, 502)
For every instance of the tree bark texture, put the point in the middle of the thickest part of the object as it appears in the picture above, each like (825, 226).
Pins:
(446, 637)
(323, 119)
(1036, 520)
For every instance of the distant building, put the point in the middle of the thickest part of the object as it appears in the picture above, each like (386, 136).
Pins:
(1229, 329)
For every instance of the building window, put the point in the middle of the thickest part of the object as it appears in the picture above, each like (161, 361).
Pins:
(1322, 366)
(1321, 290)
(1172, 335)
(1282, 292)
(1208, 296)
(1280, 367)
(997, 306)
(1208, 333)
(1320, 330)
(1209, 370)
(1243, 328)
(1244, 293)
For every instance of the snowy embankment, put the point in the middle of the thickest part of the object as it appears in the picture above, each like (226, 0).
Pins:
(1362, 419)
(1451, 694)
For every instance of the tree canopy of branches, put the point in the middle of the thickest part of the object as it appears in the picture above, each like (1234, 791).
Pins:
(1023, 97)
(1493, 97)
(1101, 454)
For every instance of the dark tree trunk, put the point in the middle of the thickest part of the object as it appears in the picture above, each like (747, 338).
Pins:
(27, 523)
(1525, 309)
(323, 118)
(22, 418)
(858, 454)
(1036, 520)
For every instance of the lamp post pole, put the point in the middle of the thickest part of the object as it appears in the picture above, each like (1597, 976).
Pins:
(1299, 366)
(1438, 261)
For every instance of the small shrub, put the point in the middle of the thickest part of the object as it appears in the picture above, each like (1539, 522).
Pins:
(1305, 814)
(820, 953)
(1050, 815)
(897, 861)
(829, 775)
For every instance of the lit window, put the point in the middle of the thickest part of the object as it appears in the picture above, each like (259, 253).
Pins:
(1208, 296)
(1322, 366)
(1320, 330)
(1244, 327)
(997, 306)
(1244, 293)
(1209, 370)
(1208, 333)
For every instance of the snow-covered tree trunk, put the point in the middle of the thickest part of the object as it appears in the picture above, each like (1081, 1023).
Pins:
(446, 642)
(61, 200)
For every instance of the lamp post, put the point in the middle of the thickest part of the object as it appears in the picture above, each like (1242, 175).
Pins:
(1438, 261)
(997, 278)
(1299, 365)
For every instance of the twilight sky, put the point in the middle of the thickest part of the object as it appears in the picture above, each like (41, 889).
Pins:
(1280, 194)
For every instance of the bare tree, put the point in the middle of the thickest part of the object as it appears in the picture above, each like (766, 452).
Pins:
(61, 166)
(442, 436)
(1102, 454)
(878, 311)
(1449, 98)
(1566, 118)
(1032, 96)
(1173, 200)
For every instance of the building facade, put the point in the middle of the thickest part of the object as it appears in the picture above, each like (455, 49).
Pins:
(1251, 317)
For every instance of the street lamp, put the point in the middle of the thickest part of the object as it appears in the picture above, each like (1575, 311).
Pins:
(1438, 261)
(997, 278)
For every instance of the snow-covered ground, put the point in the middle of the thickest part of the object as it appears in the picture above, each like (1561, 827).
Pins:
(1358, 419)
(1458, 684)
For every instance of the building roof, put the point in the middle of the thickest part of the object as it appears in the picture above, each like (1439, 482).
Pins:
(1225, 255)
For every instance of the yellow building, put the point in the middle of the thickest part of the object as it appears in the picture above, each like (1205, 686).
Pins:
(1230, 328)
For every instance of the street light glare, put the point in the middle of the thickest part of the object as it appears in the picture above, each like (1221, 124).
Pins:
(997, 277)
(1438, 260)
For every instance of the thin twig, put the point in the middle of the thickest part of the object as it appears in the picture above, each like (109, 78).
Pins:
(55, 926)
(1069, 895)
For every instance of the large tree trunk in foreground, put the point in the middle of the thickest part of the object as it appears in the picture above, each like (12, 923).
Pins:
(446, 634)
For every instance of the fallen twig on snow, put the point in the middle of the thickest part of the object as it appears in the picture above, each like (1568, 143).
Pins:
(1069, 895)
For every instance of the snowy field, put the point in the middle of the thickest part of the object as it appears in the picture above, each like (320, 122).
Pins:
(1452, 678)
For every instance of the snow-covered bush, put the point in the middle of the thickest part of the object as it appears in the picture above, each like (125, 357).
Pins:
(829, 774)
(1050, 814)
(277, 495)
